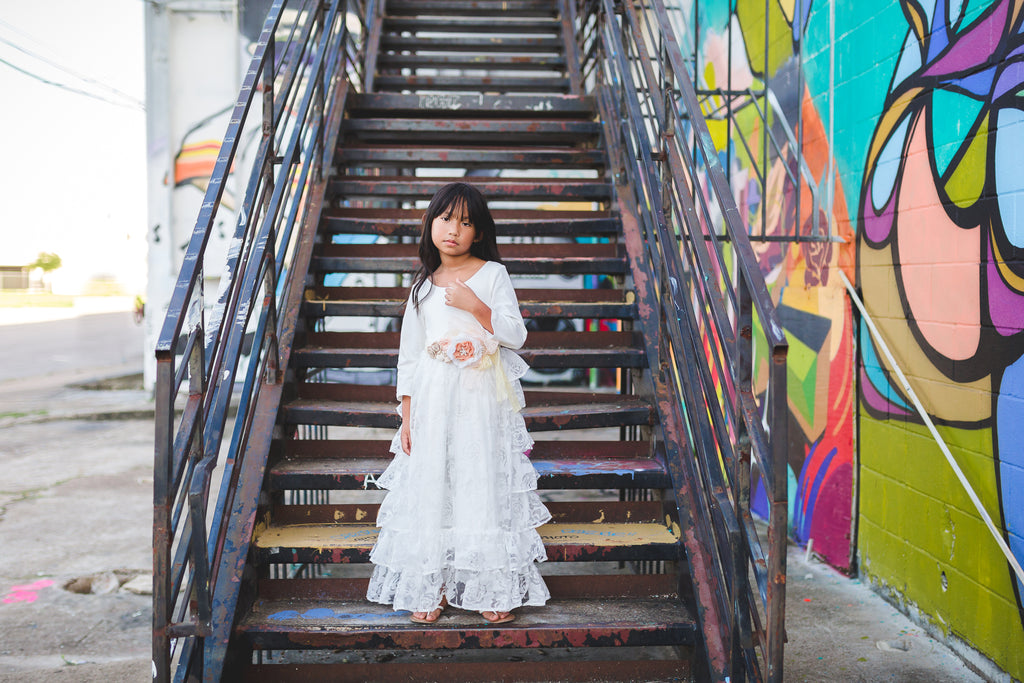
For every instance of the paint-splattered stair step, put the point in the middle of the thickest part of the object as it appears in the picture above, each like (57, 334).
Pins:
(388, 222)
(562, 587)
(542, 350)
(339, 464)
(554, 259)
(563, 541)
(358, 624)
(389, 302)
(374, 406)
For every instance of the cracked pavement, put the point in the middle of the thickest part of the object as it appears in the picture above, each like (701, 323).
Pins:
(75, 500)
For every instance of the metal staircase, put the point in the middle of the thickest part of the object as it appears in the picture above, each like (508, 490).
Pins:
(647, 474)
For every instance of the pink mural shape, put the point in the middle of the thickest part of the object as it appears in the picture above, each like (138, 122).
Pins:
(938, 259)
(26, 593)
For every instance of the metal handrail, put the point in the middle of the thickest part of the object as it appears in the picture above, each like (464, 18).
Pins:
(300, 73)
(699, 287)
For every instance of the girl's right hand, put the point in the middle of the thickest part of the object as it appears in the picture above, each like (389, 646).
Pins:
(406, 438)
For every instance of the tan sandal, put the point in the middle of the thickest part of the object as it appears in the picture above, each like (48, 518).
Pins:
(436, 612)
(498, 618)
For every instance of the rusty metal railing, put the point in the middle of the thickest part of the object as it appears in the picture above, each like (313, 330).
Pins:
(700, 292)
(309, 55)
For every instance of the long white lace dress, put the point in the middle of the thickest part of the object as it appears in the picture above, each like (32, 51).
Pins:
(462, 509)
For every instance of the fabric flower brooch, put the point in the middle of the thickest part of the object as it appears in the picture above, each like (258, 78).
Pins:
(462, 350)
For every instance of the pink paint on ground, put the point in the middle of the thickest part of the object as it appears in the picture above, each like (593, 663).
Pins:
(27, 593)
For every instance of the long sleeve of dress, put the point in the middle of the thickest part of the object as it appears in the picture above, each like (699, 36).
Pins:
(409, 349)
(506, 318)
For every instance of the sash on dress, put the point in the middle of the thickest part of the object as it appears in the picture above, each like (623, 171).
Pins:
(484, 353)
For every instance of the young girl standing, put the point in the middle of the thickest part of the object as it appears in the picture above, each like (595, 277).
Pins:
(458, 526)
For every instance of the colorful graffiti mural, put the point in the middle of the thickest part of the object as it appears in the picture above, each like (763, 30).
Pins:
(925, 103)
(942, 231)
(800, 274)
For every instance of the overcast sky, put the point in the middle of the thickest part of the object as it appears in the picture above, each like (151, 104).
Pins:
(72, 170)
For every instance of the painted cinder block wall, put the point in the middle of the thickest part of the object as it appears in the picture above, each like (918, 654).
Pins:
(921, 105)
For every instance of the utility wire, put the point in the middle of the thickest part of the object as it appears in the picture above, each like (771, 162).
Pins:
(132, 102)
(135, 105)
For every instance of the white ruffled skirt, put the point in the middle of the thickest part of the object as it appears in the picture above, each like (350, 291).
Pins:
(462, 511)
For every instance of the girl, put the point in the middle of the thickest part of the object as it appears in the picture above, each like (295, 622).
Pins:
(458, 526)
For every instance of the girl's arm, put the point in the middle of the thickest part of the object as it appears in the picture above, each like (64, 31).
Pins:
(406, 425)
(502, 318)
(409, 349)
(506, 319)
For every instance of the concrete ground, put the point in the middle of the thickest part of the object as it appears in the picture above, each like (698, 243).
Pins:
(76, 508)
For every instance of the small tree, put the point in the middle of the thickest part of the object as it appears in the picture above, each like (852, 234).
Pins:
(46, 262)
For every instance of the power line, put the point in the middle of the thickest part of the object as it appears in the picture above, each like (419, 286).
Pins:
(136, 105)
(132, 102)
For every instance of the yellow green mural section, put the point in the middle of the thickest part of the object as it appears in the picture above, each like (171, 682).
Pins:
(922, 544)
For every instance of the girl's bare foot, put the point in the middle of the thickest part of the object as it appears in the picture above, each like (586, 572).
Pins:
(498, 617)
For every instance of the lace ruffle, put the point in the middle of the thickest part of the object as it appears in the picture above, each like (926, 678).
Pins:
(462, 508)
(497, 590)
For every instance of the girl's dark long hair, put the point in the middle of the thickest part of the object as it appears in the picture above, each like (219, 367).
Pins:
(464, 199)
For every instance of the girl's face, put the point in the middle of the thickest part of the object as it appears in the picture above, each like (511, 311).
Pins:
(452, 232)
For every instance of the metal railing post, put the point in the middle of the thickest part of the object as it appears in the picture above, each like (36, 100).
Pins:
(162, 501)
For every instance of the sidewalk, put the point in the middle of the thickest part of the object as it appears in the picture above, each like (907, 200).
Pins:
(76, 502)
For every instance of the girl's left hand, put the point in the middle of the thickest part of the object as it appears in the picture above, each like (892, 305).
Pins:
(459, 295)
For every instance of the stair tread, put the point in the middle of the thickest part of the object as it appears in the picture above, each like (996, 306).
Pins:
(557, 537)
(360, 467)
(484, 25)
(489, 45)
(603, 512)
(465, 83)
(490, 158)
(464, 152)
(561, 586)
(534, 126)
(578, 224)
(352, 464)
(500, 215)
(538, 418)
(455, 105)
(532, 409)
(547, 342)
(580, 621)
(564, 613)
(473, 62)
(393, 308)
(564, 258)
(569, 339)
(439, 181)
(542, 450)
(385, 394)
(552, 189)
(542, 349)
(524, 295)
(456, 9)
(509, 252)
